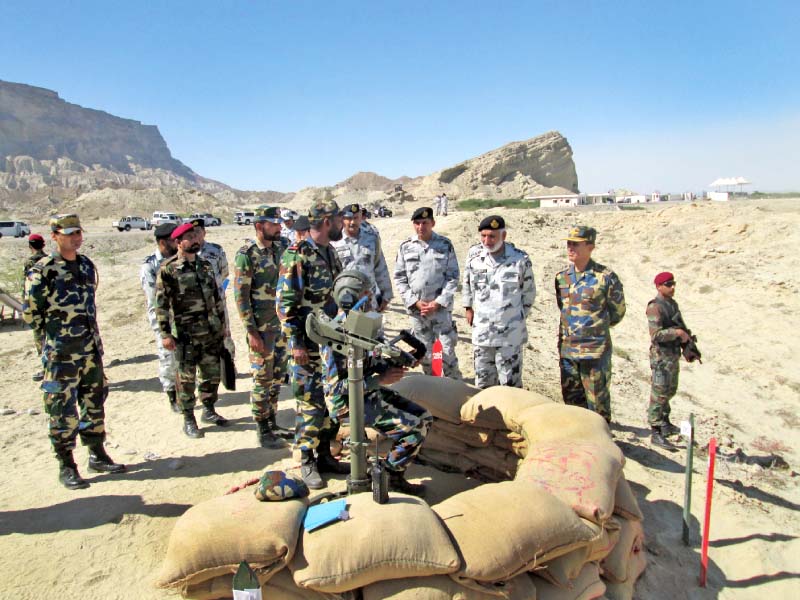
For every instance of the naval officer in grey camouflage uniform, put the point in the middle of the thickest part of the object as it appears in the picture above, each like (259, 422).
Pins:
(215, 254)
(167, 364)
(426, 277)
(360, 250)
(498, 292)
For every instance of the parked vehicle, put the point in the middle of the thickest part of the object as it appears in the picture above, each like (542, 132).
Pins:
(128, 223)
(165, 217)
(244, 217)
(15, 229)
(209, 220)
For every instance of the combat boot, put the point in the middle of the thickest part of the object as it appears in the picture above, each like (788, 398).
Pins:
(266, 436)
(281, 432)
(173, 401)
(209, 415)
(309, 472)
(68, 472)
(657, 438)
(398, 483)
(668, 429)
(190, 425)
(100, 461)
(326, 463)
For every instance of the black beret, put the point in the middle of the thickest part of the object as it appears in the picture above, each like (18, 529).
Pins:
(350, 210)
(423, 212)
(493, 222)
(164, 230)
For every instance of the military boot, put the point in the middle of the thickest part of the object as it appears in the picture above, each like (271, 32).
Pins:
(190, 425)
(209, 415)
(309, 472)
(326, 463)
(173, 401)
(68, 471)
(668, 429)
(281, 432)
(266, 436)
(100, 461)
(398, 483)
(657, 438)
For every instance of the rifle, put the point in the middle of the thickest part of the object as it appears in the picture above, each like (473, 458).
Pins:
(690, 350)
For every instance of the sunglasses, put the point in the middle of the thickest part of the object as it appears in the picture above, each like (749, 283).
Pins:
(669, 283)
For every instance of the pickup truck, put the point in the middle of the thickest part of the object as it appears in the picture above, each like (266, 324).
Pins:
(209, 220)
(128, 223)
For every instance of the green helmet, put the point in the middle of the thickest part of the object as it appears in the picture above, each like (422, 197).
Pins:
(348, 287)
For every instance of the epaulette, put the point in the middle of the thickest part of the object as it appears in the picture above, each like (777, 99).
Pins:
(149, 259)
(248, 245)
(473, 251)
(215, 246)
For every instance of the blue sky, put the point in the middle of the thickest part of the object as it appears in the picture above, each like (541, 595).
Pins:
(283, 95)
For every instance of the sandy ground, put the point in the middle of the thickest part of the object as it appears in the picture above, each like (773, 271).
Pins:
(737, 286)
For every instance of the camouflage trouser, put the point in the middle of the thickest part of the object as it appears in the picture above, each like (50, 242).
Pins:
(400, 420)
(664, 384)
(203, 356)
(167, 365)
(587, 383)
(267, 370)
(498, 366)
(440, 325)
(75, 391)
(313, 420)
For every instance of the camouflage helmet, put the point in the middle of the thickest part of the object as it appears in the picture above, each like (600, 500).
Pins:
(279, 485)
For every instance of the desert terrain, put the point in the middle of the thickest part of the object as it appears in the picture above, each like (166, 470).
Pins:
(737, 285)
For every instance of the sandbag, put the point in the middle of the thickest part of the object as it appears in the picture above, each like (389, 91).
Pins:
(561, 570)
(402, 538)
(441, 396)
(552, 421)
(497, 460)
(213, 537)
(471, 435)
(441, 587)
(503, 529)
(497, 407)
(586, 586)
(627, 560)
(582, 474)
(511, 441)
(625, 590)
(280, 586)
(446, 461)
(438, 440)
(625, 503)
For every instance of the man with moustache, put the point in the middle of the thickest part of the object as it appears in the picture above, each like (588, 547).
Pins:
(167, 365)
(498, 292)
(191, 319)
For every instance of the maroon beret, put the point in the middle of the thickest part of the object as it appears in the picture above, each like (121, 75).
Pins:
(664, 277)
(181, 229)
(35, 237)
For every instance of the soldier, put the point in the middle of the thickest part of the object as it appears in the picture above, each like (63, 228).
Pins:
(187, 297)
(667, 332)
(386, 411)
(426, 277)
(591, 301)
(360, 250)
(36, 246)
(167, 364)
(287, 228)
(498, 292)
(301, 228)
(256, 269)
(366, 225)
(308, 269)
(59, 306)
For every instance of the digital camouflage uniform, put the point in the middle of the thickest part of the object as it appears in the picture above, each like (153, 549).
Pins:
(187, 294)
(364, 253)
(591, 302)
(26, 267)
(256, 271)
(215, 254)
(289, 234)
(664, 319)
(501, 290)
(59, 306)
(429, 271)
(306, 280)
(167, 363)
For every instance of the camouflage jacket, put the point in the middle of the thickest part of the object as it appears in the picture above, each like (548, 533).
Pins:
(501, 291)
(30, 261)
(186, 292)
(305, 284)
(214, 254)
(59, 306)
(664, 319)
(426, 271)
(363, 253)
(591, 302)
(147, 277)
(256, 270)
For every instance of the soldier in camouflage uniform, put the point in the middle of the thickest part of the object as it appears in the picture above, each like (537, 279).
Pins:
(591, 301)
(667, 332)
(59, 306)
(498, 292)
(167, 364)
(256, 269)
(187, 297)
(308, 269)
(36, 246)
(426, 277)
(360, 250)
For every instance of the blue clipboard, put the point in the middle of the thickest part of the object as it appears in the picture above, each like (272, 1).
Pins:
(322, 514)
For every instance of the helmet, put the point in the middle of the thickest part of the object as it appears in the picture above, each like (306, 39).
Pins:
(348, 287)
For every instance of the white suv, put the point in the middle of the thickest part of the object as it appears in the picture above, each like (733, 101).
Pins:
(244, 217)
(165, 217)
(128, 223)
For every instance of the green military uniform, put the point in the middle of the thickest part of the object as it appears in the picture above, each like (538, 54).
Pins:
(663, 319)
(26, 268)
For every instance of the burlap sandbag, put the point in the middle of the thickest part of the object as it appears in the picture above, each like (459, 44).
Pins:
(552, 422)
(441, 396)
(625, 590)
(511, 441)
(446, 461)
(561, 570)
(497, 407)
(280, 586)
(625, 503)
(503, 529)
(213, 537)
(441, 587)
(403, 538)
(496, 459)
(628, 554)
(586, 586)
(469, 434)
(582, 474)
(439, 440)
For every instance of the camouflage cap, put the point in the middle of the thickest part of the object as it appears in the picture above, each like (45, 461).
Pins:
(268, 214)
(351, 210)
(279, 485)
(65, 223)
(323, 208)
(581, 233)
